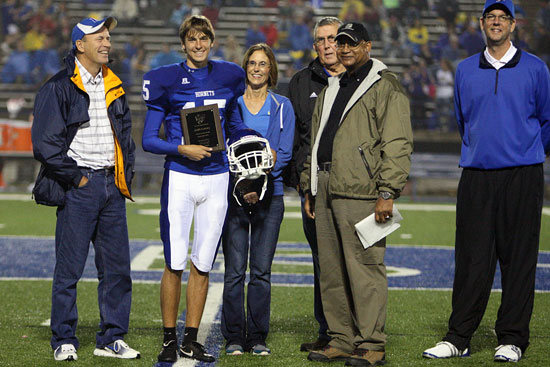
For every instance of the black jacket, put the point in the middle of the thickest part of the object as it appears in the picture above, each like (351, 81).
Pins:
(304, 88)
(60, 107)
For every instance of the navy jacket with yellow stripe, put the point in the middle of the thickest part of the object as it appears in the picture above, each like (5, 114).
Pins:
(60, 107)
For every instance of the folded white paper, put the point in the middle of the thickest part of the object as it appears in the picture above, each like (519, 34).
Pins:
(370, 232)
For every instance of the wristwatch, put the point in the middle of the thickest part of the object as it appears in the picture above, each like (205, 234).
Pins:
(386, 195)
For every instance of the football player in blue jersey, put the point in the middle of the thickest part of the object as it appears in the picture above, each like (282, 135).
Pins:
(195, 180)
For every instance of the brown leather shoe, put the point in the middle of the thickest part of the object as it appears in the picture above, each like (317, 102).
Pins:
(328, 354)
(365, 357)
(316, 345)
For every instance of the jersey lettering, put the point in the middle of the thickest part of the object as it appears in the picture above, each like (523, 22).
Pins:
(205, 93)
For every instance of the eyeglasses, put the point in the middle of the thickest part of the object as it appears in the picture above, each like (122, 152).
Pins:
(348, 42)
(501, 18)
(320, 41)
(261, 64)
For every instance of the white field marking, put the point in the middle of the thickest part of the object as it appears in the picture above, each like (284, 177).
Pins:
(2, 225)
(145, 258)
(154, 212)
(273, 284)
(45, 323)
(543, 266)
(213, 303)
(406, 236)
(293, 215)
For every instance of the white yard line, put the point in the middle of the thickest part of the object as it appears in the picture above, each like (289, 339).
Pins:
(213, 303)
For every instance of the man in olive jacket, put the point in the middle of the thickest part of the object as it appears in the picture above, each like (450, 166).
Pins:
(359, 163)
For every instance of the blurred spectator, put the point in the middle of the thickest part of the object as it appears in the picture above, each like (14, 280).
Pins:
(394, 38)
(269, 29)
(444, 77)
(34, 39)
(371, 19)
(125, 11)
(421, 88)
(121, 66)
(471, 40)
(417, 36)
(412, 8)
(217, 52)
(17, 67)
(253, 34)
(233, 50)
(45, 21)
(392, 7)
(7, 13)
(447, 10)
(284, 23)
(185, 9)
(212, 13)
(165, 56)
(543, 14)
(352, 11)
(46, 61)
(139, 65)
(131, 48)
(542, 43)
(300, 39)
(271, 4)
(14, 105)
(427, 55)
(452, 51)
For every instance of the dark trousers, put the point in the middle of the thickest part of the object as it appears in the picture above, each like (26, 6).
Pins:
(311, 236)
(95, 212)
(257, 231)
(498, 215)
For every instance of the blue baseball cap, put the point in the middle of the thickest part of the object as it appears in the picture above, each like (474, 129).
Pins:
(91, 25)
(506, 5)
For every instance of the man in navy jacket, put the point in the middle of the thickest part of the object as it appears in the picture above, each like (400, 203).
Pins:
(502, 106)
(81, 135)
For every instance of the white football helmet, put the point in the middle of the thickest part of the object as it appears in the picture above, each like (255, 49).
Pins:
(249, 158)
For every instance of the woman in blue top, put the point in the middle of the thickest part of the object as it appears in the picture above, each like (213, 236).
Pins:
(272, 116)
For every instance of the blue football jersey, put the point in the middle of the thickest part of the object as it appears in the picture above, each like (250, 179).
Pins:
(170, 88)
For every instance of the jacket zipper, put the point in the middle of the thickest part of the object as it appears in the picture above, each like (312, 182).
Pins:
(496, 82)
(365, 162)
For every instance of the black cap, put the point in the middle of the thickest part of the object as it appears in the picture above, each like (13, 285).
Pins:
(356, 31)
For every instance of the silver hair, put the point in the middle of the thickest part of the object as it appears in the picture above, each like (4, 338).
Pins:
(326, 21)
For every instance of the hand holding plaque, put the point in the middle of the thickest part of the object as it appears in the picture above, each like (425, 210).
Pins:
(202, 126)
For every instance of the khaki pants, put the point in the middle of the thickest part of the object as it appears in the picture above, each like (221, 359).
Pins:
(354, 288)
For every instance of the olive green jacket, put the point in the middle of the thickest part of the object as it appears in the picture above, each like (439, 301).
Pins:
(373, 144)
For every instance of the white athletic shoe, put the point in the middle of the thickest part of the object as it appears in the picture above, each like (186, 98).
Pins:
(117, 349)
(65, 352)
(507, 353)
(445, 350)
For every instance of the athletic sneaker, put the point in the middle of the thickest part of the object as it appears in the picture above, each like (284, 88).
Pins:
(507, 353)
(260, 350)
(169, 352)
(117, 349)
(445, 350)
(65, 352)
(234, 350)
(195, 350)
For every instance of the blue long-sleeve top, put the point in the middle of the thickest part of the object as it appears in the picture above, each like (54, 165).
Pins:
(280, 134)
(503, 115)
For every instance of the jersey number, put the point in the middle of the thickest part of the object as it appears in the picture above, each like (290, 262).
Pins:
(145, 91)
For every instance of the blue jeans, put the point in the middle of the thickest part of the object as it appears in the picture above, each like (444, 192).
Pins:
(264, 221)
(311, 236)
(95, 212)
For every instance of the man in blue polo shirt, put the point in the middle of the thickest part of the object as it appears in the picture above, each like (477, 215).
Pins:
(502, 107)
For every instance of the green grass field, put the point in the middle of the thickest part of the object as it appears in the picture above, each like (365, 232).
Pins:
(416, 319)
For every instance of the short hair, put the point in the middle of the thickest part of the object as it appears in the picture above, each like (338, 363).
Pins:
(273, 68)
(197, 23)
(326, 21)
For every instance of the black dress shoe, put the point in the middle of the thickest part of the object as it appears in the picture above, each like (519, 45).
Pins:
(316, 345)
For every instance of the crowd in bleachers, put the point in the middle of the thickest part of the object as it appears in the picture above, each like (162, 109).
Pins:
(35, 37)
